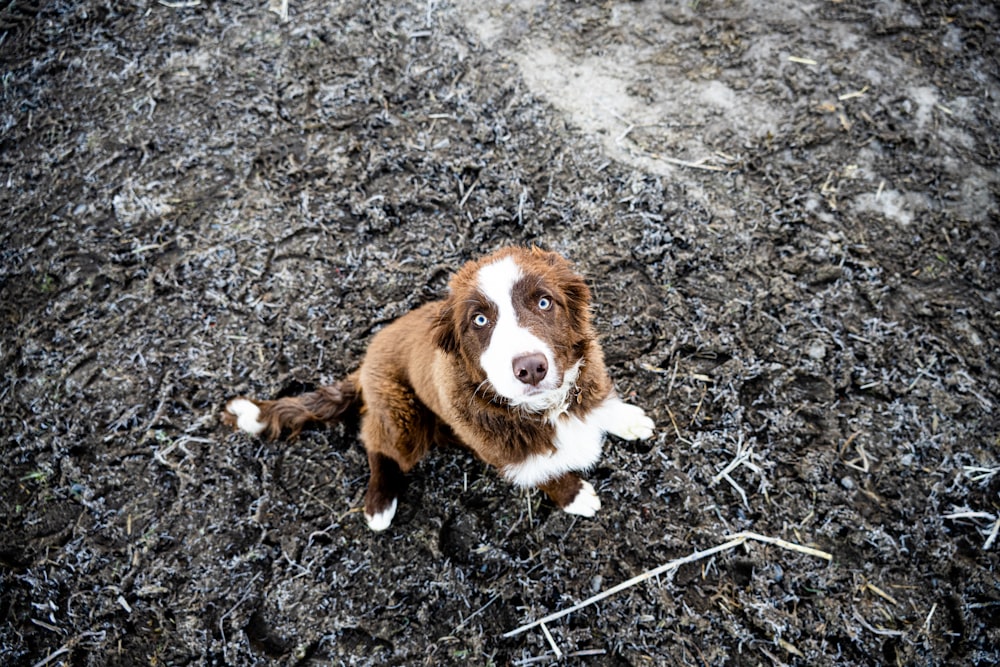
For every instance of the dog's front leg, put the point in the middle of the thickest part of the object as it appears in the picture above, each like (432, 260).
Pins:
(572, 494)
(628, 422)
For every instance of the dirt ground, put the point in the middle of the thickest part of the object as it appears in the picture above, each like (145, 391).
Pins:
(788, 214)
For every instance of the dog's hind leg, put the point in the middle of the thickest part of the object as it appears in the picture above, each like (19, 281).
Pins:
(291, 414)
(384, 488)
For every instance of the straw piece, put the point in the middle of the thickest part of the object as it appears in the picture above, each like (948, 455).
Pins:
(734, 541)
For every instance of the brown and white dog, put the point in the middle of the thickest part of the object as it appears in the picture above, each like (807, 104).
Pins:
(508, 362)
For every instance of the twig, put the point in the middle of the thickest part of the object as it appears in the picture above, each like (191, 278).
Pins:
(790, 648)
(279, 7)
(734, 541)
(685, 163)
(520, 207)
(969, 514)
(552, 642)
(222, 619)
(878, 591)
(468, 192)
(52, 656)
(742, 457)
(856, 93)
(673, 377)
(992, 536)
(666, 567)
(475, 613)
(677, 430)
(701, 400)
(48, 626)
(879, 631)
(980, 474)
(739, 489)
(784, 544)
(700, 164)
(863, 458)
(847, 443)
(930, 614)
(160, 455)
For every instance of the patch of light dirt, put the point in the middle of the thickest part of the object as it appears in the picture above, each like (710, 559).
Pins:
(653, 101)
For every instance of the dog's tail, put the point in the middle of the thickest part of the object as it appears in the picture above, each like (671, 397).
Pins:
(289, 415)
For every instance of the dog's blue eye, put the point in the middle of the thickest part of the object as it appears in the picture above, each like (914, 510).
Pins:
(480, 320)
(545, 303)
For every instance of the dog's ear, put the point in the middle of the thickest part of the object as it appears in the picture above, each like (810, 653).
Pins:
(550, 258)
(443, 330)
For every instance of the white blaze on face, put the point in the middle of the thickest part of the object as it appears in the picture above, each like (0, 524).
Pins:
(510, 340)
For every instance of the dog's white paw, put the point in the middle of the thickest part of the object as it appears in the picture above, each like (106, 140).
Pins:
(246, 414)
(631, 423)
(381, 521)
(586, 502)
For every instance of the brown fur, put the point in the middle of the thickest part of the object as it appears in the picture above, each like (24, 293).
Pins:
(423, 370)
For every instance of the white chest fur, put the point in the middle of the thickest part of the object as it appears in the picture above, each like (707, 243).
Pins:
(578, 447)
(578, 442)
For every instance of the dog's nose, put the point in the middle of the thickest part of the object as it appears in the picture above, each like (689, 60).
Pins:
(531, 368)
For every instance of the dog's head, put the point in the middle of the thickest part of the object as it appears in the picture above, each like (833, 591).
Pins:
(519, 320)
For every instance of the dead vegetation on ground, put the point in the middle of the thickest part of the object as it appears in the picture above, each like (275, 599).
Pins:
(795, 269)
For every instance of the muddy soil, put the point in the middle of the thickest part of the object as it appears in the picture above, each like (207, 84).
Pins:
(788, 214)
